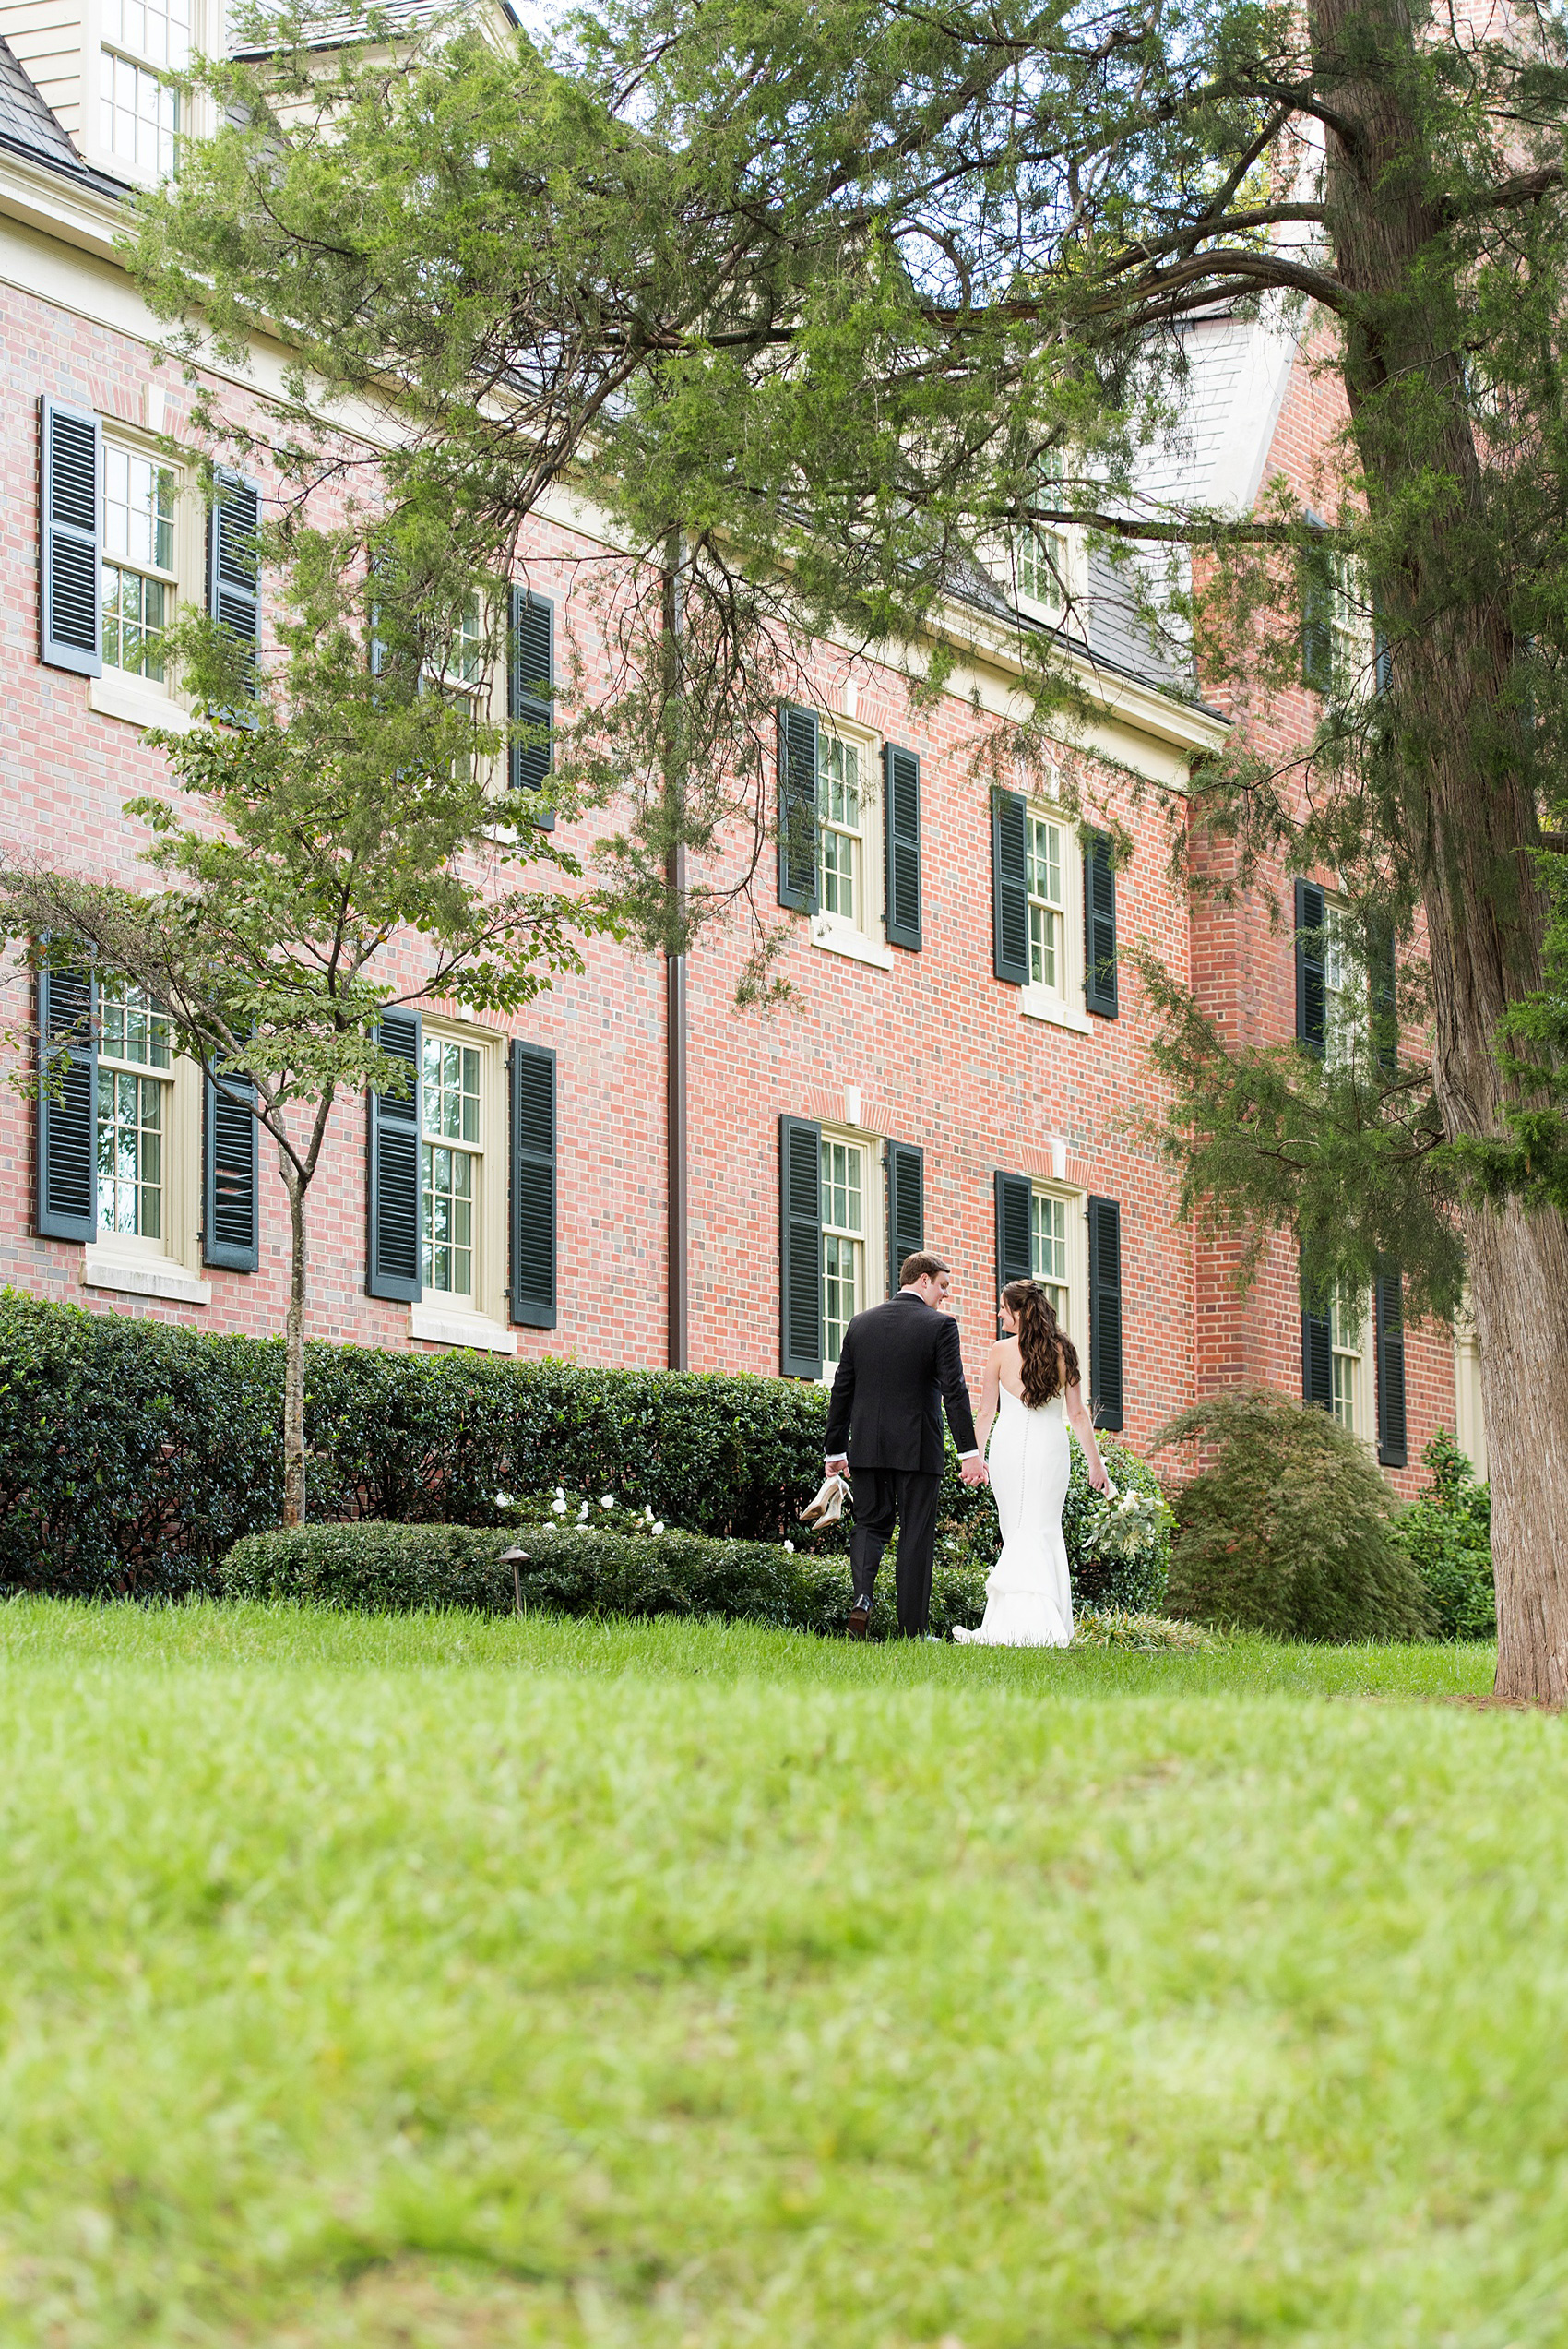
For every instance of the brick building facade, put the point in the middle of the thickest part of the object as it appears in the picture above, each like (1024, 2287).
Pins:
(961, 1059)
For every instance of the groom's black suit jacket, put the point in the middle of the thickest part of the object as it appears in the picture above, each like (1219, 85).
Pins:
(900, 1362)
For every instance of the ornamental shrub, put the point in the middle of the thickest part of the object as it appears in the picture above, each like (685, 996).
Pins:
(1446, 1535)
(1289, 1529)
(376, 1568)
(970, 1535)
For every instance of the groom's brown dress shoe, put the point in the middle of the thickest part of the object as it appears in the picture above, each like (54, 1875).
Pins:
(860, 1618)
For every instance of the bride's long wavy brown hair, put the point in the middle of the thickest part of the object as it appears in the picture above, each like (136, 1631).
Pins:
(1048, 1360)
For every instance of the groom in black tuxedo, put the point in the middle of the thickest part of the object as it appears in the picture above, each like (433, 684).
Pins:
(900, 1362)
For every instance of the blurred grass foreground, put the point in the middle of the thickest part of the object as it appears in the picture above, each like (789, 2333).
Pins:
(448, 1981)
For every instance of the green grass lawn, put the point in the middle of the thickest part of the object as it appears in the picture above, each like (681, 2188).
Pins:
(443, 1982)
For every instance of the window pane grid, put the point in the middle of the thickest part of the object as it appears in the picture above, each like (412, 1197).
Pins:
(138, 116)
(448, 1174)
(130, 1153)
(1044, 856)
(138, 537)
(843, 1245)
(839, 819)
(1048, 1250)
(1040, 557)
(1346, 1364)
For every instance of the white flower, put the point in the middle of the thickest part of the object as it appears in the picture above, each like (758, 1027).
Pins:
(560, 1492)
(790, 1547)
(607, 1500)
(503, 1501)
(657, 1526)
(582, 1513)
(559, 1504)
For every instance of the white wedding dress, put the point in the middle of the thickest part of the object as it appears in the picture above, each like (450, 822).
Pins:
(1028, 1599)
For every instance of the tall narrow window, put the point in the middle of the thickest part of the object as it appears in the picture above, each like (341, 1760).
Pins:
(1040, 559)
(451, 1150)
(843, 1240)
(134, 1087)
(139, 114)
(1048, 1252)
(1347, 1367)
(841, 830)
(1047, 907)
(138, 561)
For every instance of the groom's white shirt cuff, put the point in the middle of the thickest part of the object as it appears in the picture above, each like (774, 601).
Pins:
(827, 1463)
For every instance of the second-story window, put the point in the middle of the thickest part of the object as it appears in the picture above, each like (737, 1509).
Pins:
(138, 575)
(1047, 909)
(134, 1087)
(841, 830)
(450, 1163)
(143, 40)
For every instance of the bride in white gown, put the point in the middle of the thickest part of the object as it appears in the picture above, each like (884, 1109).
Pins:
(1031, 1389)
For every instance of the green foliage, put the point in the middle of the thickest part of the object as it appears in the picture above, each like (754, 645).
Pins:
(969, 1535)
(570, 1571)
(1446, 1534)
(1287, 1526)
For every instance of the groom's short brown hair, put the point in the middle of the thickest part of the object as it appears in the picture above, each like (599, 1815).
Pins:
(921, 1267)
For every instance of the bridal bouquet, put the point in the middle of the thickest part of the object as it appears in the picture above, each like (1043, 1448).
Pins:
(1127, 1526)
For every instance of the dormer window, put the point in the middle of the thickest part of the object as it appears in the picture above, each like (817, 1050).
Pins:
(138, 112)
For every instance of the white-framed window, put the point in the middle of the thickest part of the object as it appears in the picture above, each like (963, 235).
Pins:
(451, 1169)
(1059, 1257)
(1040, 560)
(841, 829)
(1345, 1345)
(136, 1092)
(141, 42)
(1048, 912)
(845, 1186)
(140, 568)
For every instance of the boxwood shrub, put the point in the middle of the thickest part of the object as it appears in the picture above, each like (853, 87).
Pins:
(375, 1567)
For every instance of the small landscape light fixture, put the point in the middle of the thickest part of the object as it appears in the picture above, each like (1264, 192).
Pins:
(514, 1557)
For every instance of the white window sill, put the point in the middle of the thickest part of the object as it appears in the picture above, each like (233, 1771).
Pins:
(835, 936)
(115, 695)
(452, 1327)
(144, 1276)
(1038, 1003)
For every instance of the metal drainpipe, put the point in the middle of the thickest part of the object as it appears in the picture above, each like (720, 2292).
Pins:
(678, 1227)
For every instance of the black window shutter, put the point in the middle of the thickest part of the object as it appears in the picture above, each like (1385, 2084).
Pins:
(1384, 980)
(533, 1187)
(531, 691)
(901, 807)
(1311, 1000)
(1010, 888)
(1014, 1256)
(1099, 927)
(797, 808)
(906, 1207)
(1318, 1358)
(1390, 1320)
(232, 596)
(394, 1189)
(1105, 1314)
(67, 1126)
(70, 501)
(1317, 619)
(799, 1248)
(230, 1211)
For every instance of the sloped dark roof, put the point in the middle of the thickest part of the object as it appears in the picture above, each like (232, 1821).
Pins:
(28, 127)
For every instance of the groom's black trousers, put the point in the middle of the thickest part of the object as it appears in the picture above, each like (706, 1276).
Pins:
(907, 1494)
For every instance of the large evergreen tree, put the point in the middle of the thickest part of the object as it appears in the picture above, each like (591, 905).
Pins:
(819, 303)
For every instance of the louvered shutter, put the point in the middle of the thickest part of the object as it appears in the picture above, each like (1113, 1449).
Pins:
(1099, 927)
(1317, 1357)
(1317, 618)
(394, 1189)
(531, 692)
(1389, 1302)
(797, 808)
(1105, 1314)
(1312, 1001)
(799, 1248)
(230, 1211)
(233, 597)
(1010, 888)
(67, 1182)
(906, 1207)
(533, 1187)
(1015, 1258)
(1382, 976)
(70, 501)
(901, 798)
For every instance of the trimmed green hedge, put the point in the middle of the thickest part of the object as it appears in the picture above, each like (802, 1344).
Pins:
(134, 1454)
(1446, 1535)
(379, 1568)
